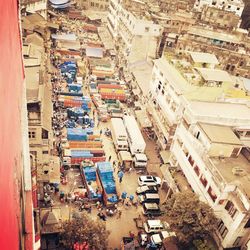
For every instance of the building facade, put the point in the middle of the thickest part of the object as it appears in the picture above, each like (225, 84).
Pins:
(197, 126)
(16, 215)
(35, 6)
(236, 6)
(101, 5)
(137, 36)
(231, 48)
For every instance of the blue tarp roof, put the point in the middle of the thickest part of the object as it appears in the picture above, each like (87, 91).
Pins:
(94, 52)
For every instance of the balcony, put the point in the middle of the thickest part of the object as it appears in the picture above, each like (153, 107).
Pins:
(45, 141)
(157, 120)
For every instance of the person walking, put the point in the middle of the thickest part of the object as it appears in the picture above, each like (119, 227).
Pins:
(120, 176)
(119, 214)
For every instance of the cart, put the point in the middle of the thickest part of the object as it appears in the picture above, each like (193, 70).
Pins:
(138, 222)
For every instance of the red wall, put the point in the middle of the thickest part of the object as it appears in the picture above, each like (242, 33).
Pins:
(11, 85)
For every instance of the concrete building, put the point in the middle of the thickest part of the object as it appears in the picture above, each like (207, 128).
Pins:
(38, 99)
(35, 6)
(220, 18)
(230, 47)
(193, 119)
(16, 211)
(39, 113)
(235, 6)
(209, 156)
(137, 36)
(101, 5)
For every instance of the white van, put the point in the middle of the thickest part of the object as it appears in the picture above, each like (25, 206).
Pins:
(153, 226)
(140, 160)
(157, 239)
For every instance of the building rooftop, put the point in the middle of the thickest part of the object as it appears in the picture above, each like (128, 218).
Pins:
(200, 84)
(227, 112)
(212, 34)
(189, 82)
(216, 75)
(235, 171)
(199, 57)
(220, 134)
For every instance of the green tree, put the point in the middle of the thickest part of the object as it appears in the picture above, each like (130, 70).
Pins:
(82, 229)
(189, 217)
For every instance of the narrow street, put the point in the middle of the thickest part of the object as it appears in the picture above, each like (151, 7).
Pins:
(73, 190)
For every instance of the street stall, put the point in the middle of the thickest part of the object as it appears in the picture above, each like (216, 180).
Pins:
(106, 183)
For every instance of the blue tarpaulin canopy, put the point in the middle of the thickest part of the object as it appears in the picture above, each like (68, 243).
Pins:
(94, 52)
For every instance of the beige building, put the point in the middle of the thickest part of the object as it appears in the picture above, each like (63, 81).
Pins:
(35, 6)
(231, 48)
(137, 36)
(38, 102)
(101, 5)
(219, 18)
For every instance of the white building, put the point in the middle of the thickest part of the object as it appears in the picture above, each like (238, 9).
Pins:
(235, 6)
(137, 36)
(199, 130)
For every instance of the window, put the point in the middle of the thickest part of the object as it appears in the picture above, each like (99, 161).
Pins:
(231, 209)
(237, 241)
(146, 29)
(222, 229)
(235, 152)
(212, 195)
(197, 170)
(247, 224)
(45, 134)
(45, 152)
(203, 180)
(238, 8)
(32, 134)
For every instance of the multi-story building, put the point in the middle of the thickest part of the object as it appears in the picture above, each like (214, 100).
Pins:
(39, 106)
(35, 6)
(94, 4)
(39, 114)
(195, 120)
(16, 210)
(236, 6)
(220, 18)
(137, 36)
(230, 47)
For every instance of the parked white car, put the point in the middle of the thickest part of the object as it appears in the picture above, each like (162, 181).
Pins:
(157, 239)
(148, 180)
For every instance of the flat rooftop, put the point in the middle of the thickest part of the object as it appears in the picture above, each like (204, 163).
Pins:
(227, 167)
(220, 134)
(199, 57)
(212, 34)
(216, 75)
(190, 88)
(199, 84)
(238, 114)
